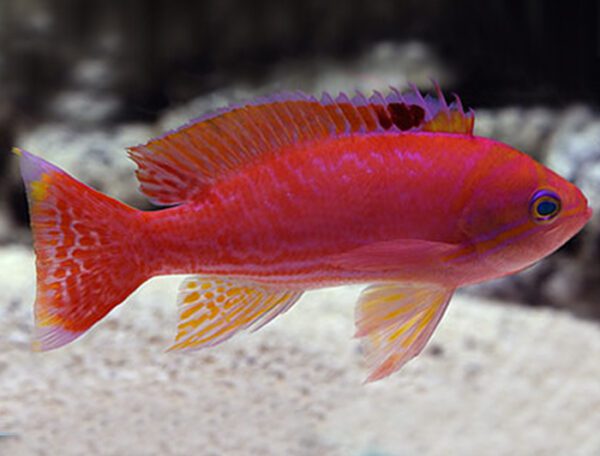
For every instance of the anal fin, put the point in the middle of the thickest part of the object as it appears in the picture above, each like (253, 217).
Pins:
(396, 320)
(213, 309)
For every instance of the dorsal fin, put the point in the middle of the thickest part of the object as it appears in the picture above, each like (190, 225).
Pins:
(178, 166)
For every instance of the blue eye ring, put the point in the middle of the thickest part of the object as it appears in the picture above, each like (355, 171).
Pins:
(544, 206)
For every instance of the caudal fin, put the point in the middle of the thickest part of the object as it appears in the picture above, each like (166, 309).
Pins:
(86, 256)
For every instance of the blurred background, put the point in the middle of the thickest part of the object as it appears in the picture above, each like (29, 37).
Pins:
(79, 81)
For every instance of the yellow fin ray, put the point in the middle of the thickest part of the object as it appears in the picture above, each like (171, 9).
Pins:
(396, 320)
(212, 309)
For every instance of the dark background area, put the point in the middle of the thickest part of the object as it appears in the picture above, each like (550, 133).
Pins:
(163, 52)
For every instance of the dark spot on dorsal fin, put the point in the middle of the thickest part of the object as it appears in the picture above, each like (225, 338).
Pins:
(383, 117)
(406, 116)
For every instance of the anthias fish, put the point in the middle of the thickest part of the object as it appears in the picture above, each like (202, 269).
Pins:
(271, 198)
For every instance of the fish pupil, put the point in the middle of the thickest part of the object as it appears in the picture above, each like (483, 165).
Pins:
(546, 208)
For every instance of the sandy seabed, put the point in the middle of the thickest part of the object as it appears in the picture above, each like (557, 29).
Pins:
(496, 379)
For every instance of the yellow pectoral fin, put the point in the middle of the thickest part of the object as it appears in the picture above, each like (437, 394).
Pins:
(211, 310)
(396, 320)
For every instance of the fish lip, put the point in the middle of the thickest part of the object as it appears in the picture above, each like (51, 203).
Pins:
(577, 212)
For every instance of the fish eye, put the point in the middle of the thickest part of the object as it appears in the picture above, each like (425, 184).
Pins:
(544, 206)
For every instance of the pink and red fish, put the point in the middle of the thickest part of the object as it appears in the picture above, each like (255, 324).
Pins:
(271, 198)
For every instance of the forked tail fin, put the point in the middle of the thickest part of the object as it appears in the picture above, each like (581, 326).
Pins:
(86, 256)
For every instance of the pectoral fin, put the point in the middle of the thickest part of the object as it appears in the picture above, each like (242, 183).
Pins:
(396, 320)
(211, 310)
(390, 254)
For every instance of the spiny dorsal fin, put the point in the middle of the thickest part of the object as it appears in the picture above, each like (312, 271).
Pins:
(178, 166)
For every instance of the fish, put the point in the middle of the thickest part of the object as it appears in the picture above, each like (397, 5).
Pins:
(263, 200)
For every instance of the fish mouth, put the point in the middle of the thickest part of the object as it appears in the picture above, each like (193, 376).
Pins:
(578, 212)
